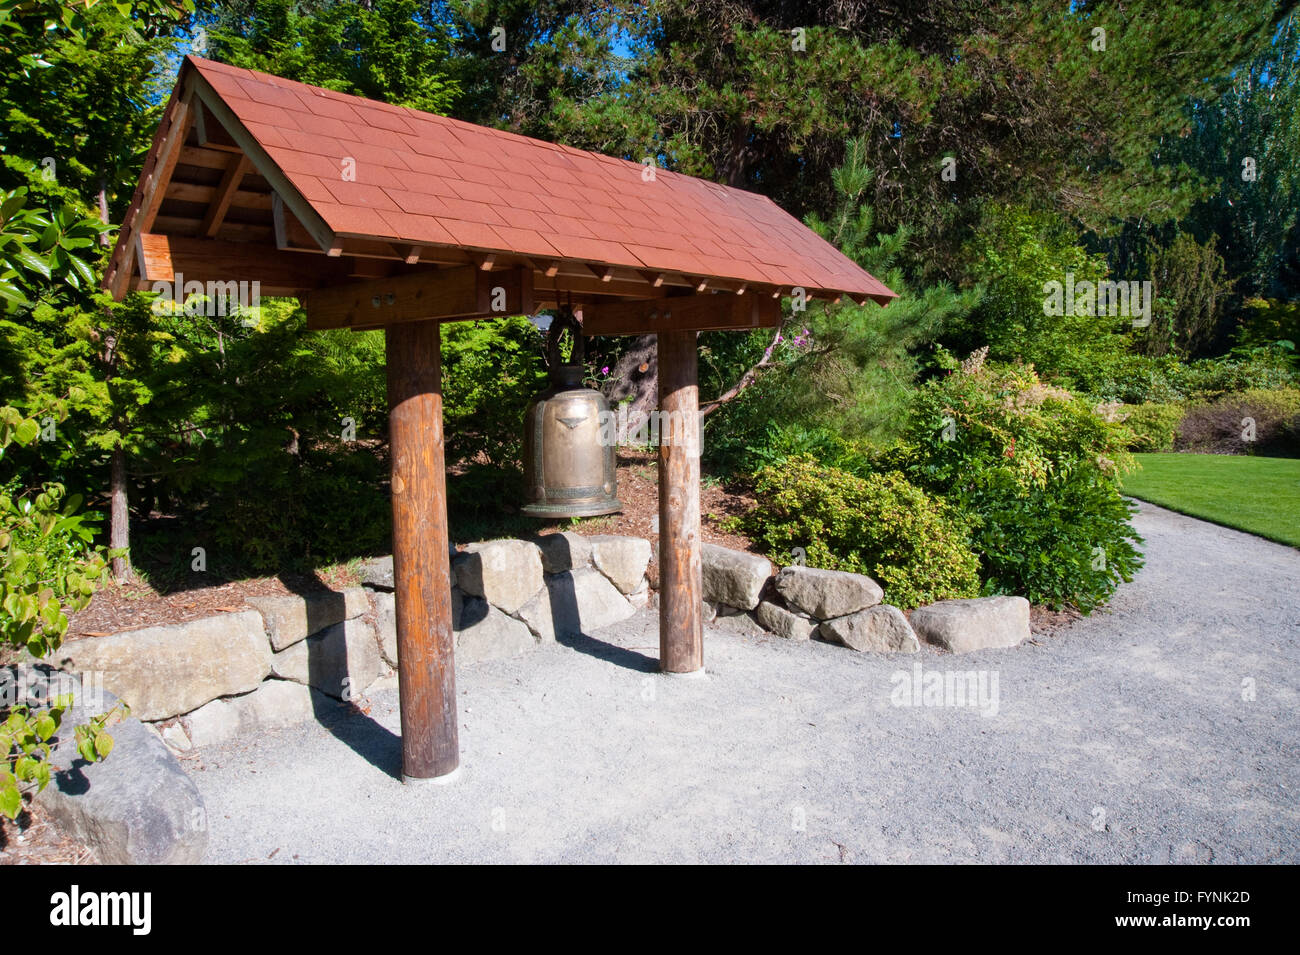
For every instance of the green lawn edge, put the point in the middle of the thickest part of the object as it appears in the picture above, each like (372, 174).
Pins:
(1256, 495)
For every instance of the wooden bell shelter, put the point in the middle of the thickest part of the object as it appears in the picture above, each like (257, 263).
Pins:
(379, 216)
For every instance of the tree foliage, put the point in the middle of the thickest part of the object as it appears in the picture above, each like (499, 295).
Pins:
(391, 50)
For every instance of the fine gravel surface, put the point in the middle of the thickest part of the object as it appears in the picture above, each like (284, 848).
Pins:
(1162, 729)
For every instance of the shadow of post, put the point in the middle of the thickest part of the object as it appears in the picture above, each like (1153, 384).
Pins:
(566, 616)
(332, 695)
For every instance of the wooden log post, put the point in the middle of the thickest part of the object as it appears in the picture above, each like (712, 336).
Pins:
(426, 674)
(681, 625)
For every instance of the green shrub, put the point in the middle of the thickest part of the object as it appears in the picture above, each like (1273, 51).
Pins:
(1255, 421)
(1267, 322)
(323, 506)
(1242, 370)
(49, 567)
(1036, 471)
(1152, 426)
(914, 546)
(780, 442)
(1137, 379)
(491, 371)
(1020, 252)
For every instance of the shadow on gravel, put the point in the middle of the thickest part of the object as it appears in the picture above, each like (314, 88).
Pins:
(376, 744)
(328, 674)
(619, 656)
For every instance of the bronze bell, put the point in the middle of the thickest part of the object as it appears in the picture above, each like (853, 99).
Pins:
(568, 469)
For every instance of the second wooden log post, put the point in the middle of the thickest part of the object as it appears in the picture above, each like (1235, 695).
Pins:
(681, 625)
(426, 672)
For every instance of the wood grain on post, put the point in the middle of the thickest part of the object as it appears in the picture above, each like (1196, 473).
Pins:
(681, 627)
(426, 674)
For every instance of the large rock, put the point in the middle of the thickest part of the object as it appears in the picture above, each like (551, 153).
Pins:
(137, 806)
(377, 572)
(577, 602)
(293, 617)
(342, 660)
(622, 559)
(507, 573)
(488, 634)
(564, 551)
(165, 671)
(981, 623)
(825, 594)
(385, 605)
(881, 629)
(783, 622)
(273, 705)
(733, 577)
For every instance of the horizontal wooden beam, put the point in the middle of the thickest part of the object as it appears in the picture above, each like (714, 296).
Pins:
(161, 258)
(232, 231)
(203, 195)
(204, 158)
(444, 294)
(557, 288)
(720, 312)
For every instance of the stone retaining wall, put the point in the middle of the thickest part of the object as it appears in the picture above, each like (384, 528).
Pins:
(294, 656)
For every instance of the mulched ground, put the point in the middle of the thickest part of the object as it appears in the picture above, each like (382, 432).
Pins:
(134, 605)
(1044, 622)
(137, 604)
(32, 839)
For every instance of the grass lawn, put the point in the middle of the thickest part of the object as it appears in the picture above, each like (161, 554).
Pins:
(1257, 495)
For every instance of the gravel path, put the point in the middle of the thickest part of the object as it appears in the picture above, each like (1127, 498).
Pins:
(1126, 739)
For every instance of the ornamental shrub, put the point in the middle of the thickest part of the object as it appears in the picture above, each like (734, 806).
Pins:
(1255, 421)
(1035, 470)
(915, 546)
(49, 567)
(1152, 426)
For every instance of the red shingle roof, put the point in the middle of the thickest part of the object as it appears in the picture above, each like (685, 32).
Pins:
(430, 180)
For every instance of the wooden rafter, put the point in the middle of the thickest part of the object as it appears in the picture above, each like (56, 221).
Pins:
(211, 134)
(224, 195)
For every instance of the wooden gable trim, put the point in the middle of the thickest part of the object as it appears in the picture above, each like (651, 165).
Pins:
(311, 220)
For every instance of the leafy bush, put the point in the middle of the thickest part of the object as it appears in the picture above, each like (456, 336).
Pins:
(48, 567)
(1256, 421)
(1269, 321)
(1137, 379)
(1035, 469)
(323, 506)
(915, 546)
(1021, 251)
(1152, 426)
(491, 370)
(777, 443)
(1242, 370)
